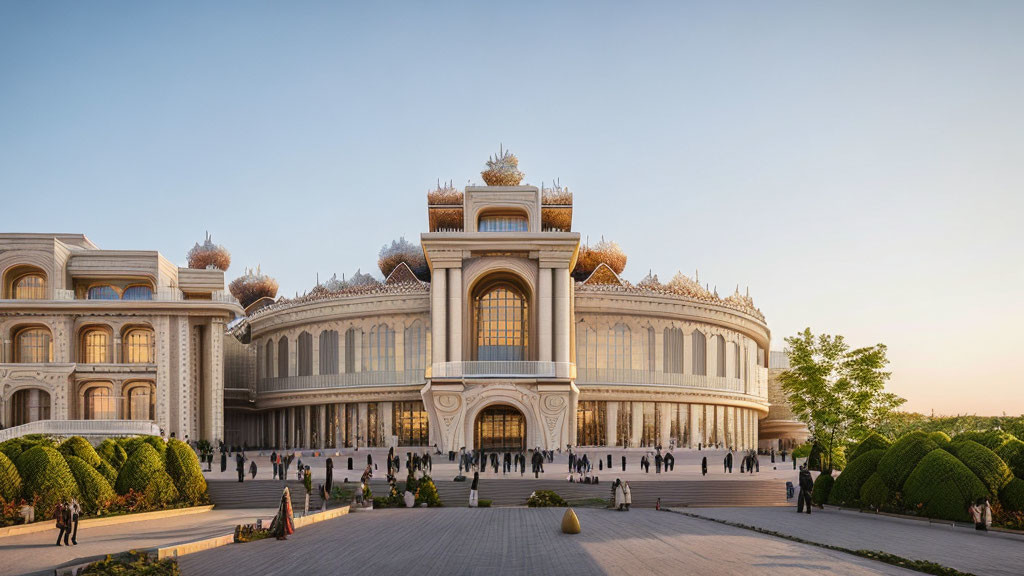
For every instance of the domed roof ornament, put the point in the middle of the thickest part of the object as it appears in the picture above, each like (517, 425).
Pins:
(503, 169)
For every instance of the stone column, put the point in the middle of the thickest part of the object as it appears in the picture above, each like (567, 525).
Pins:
(544, 304)
(455, 314)
(7, 354)
(363, 430)
(560, 303)
(438, 315)
(217, 382)
(162, 332)
(316, 353)
(720, 423)
(307, 436)
(695, 412)
(342, 425)
(322, 427)
(667, 413)
(290, 423)
(637, 423)
(611, 414)
(385, 416)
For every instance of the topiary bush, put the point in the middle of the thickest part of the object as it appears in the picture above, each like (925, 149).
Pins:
(45, 476)
(160, 490)
(942, 487)
(1012, 495)
(427, 493)
(940, 438)
(78, 446)
(15, 447)
(545, 499)
(846, 491)
(113, 453)
(986, 465)
(874, 493)
(96, 493)
(902, 457)
(822, 488)
(183, 467)
(156, 442)
(108, 472)
(991, 439)
(873, 441)
(10, 480)
(139, 469)
(1012, 452)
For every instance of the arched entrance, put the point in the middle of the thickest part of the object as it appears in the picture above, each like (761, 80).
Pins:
(500, 427)
(29, 405)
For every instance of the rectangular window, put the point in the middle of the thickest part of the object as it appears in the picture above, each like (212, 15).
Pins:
(410, 423)
(591, 427)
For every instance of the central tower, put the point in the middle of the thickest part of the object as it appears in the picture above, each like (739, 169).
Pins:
(501, 308)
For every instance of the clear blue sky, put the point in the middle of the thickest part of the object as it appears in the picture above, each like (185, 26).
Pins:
(859, 166)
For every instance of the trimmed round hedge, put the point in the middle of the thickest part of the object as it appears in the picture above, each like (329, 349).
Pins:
(10, 480)
(846, 490)
(46, 476)
(15, 447)
(139, 469)
(132, 444)
(78, 446)
(822, 488)
(108, 472)
(942, 487)
(902, 457)
(183, 467)
(940, 438)
(160, 490)
(986, 465)
(113, 453)
(1012, 496)
(95, 490)
(991, 439)
(874, 492)
(873, 441)
(1012, 452)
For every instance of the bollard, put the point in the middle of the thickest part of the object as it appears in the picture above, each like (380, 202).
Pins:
(609, 461)
(349, 462)
(570, 523)
(623, 463)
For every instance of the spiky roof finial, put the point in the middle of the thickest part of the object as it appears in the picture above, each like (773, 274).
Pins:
(208, 255)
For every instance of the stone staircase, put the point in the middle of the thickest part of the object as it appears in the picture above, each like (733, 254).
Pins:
(509, 492)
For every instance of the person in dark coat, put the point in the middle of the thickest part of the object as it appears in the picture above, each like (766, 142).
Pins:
(729, 458)
(62, 514)
(473, 494)
(536, 461)
(252, 469)
(670, 462)
(223, 461)
(806, 486)
(329, 478)
(273, 463)
(506, 463)
(704, 466)
(240, 466)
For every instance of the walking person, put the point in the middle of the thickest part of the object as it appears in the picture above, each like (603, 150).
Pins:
(62, 523)
(627, 494)
(473, 494)
(619, 495)
(329, 478)
(273, 463)
(75, 511)
(223, 460)
(806, 484)
(252, 468)
(981, 514)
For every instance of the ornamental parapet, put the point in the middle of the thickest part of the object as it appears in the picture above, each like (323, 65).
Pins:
(346, 380)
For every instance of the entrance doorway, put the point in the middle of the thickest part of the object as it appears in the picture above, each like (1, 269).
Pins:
(500, 428)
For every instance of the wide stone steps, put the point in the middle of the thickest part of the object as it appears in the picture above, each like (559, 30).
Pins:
(514, 492)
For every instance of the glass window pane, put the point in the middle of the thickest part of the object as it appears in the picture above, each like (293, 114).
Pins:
(103, 293)
(30, 287)
(137, 293)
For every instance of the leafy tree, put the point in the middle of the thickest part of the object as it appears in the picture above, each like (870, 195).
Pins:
(838, 392)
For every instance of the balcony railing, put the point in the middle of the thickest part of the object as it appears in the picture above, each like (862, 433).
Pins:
(501, 369)
(628, 377)
(82, 428)
(347, 380)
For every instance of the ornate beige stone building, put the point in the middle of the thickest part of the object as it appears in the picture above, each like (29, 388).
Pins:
(108, 341)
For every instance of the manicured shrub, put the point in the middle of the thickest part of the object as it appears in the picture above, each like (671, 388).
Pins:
(96, 493)
(139, 469)
(940, 438)
(156, 442)
(873, 441)
(874, 493)
(15, 447)
(113, 453)
(544, 499)
(822, 488)
(1012, 452)
(160, 491)
(986, 465)
(427, 493)
(1012, 495)
(108, 472)
(991, 439)
(10, 480)
(942, 487)
(846, 491)
(902, 457)
(78, 446)
(46, 476)
(183, 467)
(11, 448)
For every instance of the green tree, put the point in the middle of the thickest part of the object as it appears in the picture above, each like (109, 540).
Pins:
(838, 392)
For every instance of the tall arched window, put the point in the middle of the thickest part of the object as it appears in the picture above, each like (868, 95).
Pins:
(353, 336)
(501, 324)
(415, 347)
(30, 286)
(137, 293)
(736, 360)
(268, 360)
(95, 346)
(138, 346)
(103, 293)
(329, 352)
(720, 348)
(700, 353)
(379, 349)
(33, 345)
(141, 401)
(99, 404)
(619, 355)
(586, 347)
(673, 348)
(305, 352)
(282, 357)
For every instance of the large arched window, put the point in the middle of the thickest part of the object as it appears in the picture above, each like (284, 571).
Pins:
(31, 286)
(137, 293)
(282, 357)
(415, 347)
(379, 349)
(700, 353)
(29, 405)
(619, 354)
(138, 346)
(720, 349)
(500, 313)
(95, 347)
(103, 292)
(305, 352)
(99, 403)
(141, 401)
(33, 345)
(673, 348)
(329, 352)
(268, 360)
(353, 336)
